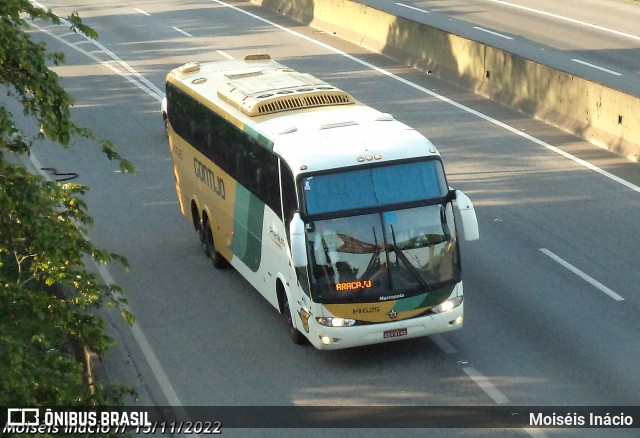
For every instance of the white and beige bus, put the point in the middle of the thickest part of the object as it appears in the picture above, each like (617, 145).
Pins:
(338, 214)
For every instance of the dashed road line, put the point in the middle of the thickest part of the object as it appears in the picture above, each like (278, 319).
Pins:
(535, 433)
(177, 29)
(482, 29)
(582, 275)
(486, 385)
(597, 67)
(444, 345)
(224, 54)
(413, 8)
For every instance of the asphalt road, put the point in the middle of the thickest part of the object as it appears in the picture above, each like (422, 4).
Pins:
(552, 301)
(595, 39)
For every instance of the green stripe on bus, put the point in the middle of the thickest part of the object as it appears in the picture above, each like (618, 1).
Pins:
(248, 217)
(429, 299)
(261, 138)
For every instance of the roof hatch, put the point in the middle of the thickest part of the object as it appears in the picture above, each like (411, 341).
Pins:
(257, 92)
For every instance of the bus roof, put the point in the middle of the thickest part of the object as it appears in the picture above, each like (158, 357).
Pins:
(311, 124)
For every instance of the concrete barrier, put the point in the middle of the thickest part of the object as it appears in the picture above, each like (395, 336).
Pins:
(604, 116)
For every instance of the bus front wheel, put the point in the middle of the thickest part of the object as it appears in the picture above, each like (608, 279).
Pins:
(297, 337)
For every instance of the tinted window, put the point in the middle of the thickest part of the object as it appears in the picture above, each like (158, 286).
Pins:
(238, 154)
(374, 187)
(289, 199)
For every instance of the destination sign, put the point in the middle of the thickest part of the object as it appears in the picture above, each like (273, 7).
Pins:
(354, 285)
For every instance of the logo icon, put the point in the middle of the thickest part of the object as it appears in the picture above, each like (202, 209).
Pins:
(23, 417)
(393, 314)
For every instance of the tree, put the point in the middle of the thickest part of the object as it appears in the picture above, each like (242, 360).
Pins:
(48, 292)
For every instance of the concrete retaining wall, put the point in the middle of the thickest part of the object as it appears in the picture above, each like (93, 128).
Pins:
(604, 116)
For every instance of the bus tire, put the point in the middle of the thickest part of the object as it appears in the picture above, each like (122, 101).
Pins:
(297, 337)
(202, 234)
(217, 260)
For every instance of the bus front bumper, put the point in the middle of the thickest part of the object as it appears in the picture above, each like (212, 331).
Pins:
(334, 338)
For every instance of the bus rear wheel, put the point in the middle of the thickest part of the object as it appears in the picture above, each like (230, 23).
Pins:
(297, 337)
(209, 246)
(202, 235)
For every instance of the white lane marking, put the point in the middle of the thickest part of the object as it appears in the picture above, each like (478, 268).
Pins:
(443, 344)
(535, 433)
(224, 54)
(147, 350)
(150, 356)
(132, 75)
(486, 385)
(413, 8)
(142, 12)
(582, 275)
(177, 29)
(382, 71)
(597, 67)
(571, 20)
(482, 29)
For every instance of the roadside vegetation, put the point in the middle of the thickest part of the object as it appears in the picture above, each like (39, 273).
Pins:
(48, 289)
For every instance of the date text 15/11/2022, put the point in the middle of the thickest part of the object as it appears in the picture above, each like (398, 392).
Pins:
(181, 427)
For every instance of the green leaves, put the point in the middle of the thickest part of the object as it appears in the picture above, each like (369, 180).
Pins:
(43, 245)
(49, 288)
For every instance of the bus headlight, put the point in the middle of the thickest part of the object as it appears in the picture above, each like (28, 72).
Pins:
(447, 305)
(335, 322)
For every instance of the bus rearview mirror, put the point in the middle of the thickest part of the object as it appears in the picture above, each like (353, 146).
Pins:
(298, 242)
(468, 216)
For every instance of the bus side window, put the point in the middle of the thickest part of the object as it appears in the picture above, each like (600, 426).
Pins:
(288, 191)
(270, 189)
(220, 142)
(251, 167)
(239, 159)
(176, 110)
(209, 145)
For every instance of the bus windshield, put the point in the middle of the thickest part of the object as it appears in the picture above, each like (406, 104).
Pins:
(380, 256)
(373, 187)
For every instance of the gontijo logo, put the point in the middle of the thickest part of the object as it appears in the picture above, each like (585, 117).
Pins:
(33, 420)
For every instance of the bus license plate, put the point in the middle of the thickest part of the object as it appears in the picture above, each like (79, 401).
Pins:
(395, 333)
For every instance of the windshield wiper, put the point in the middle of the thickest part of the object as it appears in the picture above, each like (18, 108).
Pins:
(375, 257)
(400, 255)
